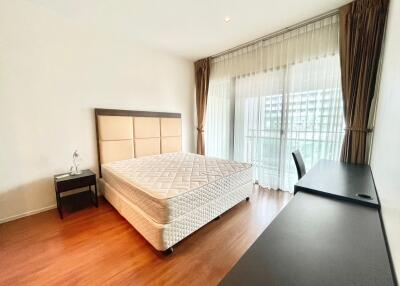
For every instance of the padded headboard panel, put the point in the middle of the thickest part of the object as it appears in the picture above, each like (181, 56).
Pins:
(115, 138)
(147, 136)
(171, 134)
(127, 134)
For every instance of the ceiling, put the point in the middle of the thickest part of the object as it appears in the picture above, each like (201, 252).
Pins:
(192, 29)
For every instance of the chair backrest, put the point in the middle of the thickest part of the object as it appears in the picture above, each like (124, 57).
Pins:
(298, 160)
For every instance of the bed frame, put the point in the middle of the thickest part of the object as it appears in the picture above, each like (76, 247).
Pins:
(127, 134)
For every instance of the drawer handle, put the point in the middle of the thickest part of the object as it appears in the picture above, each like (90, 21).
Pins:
(364, 196)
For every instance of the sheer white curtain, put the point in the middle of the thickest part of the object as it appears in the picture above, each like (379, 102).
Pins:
(218, 134)
(275, 96)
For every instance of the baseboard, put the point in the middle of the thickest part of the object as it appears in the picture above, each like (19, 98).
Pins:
(25, 214)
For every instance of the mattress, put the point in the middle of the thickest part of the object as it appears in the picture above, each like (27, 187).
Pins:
(163, 236)
(166, 187)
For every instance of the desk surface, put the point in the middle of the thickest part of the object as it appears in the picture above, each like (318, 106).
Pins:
(340, 180)
(317, 240)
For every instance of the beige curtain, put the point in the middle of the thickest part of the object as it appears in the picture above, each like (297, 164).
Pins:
(202, 77)
(362, 24)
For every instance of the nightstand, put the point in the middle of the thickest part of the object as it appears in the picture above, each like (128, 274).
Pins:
(62, 184)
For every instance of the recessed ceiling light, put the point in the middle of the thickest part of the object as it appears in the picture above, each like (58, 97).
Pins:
(227, 19)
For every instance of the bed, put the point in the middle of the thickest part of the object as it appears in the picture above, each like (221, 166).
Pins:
(165, 194)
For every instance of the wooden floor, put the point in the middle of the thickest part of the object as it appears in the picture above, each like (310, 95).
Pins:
(98, 247)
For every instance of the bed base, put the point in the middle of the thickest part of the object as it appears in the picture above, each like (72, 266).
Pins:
(164, 236)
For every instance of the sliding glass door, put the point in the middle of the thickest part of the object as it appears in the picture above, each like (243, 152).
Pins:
(258, 123)
(314, 121)
(276, 96)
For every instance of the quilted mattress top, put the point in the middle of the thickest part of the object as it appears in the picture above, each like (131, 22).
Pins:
(169, 175)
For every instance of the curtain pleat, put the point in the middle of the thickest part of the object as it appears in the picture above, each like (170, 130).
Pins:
(362, 25)
(202, 77)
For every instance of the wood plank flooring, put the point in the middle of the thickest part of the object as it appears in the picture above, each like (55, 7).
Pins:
(99, 247)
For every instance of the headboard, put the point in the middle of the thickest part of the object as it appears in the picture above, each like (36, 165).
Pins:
(127, 134)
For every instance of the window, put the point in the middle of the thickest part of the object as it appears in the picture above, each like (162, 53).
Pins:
(275, 97)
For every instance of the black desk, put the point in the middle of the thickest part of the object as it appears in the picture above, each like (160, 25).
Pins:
(326, 235)
(340, 180)
(317, 240)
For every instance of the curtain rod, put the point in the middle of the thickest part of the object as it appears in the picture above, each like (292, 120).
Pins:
(279, 32)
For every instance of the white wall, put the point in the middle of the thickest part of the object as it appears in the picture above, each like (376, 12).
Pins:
(385, 162)
(52, 74)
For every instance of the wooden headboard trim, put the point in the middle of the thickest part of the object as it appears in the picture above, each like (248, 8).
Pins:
(120, 112)
(135, 113)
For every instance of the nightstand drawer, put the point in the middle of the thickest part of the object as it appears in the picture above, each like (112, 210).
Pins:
(75, 183)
